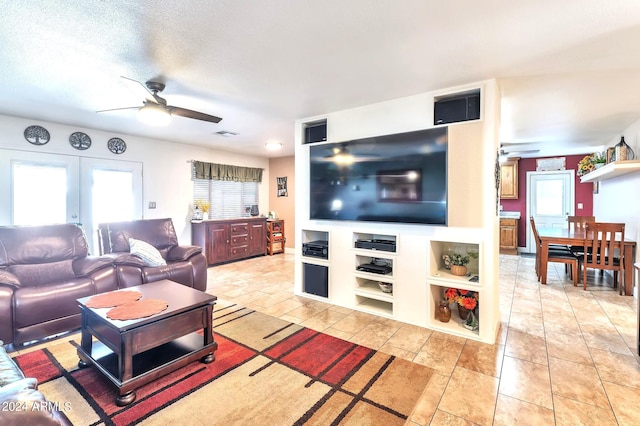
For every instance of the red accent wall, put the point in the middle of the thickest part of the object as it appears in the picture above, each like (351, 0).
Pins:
(584, 193)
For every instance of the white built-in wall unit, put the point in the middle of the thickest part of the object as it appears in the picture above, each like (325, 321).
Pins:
(418, 277)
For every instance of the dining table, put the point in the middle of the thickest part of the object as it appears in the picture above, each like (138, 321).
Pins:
(575, 237)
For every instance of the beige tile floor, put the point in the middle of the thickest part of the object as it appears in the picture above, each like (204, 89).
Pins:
(564, 356)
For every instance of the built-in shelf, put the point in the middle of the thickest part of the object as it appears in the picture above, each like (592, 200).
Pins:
(455, 324)
(612, 170)
(370, 288)
(375, 306)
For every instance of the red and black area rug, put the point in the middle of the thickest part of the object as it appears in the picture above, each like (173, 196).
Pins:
(267, 371)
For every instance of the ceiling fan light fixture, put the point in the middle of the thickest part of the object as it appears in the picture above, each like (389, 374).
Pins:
(154, 115)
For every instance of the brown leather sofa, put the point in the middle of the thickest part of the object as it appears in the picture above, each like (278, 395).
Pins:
(184, 264)
(43, 270)
(20, 401)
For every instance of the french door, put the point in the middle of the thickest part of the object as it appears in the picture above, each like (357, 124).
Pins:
(550, 199)
(40, 189)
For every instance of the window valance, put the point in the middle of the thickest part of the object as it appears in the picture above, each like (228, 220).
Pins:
(213, 171)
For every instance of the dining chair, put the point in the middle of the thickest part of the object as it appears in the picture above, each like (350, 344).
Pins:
(601, 250)
(576, 223)
(556, 254)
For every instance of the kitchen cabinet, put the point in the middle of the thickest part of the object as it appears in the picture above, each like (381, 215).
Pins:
(508, 236)
(509, 179)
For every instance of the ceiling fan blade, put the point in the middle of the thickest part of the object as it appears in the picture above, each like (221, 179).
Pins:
(182, 112)
(118, 109)
(147, 93)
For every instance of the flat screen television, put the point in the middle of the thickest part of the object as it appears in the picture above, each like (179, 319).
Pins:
(392, 178)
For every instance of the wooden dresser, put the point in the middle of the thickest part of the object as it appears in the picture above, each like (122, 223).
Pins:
(230, 240)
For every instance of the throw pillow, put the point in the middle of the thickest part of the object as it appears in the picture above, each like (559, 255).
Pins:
(146, 252)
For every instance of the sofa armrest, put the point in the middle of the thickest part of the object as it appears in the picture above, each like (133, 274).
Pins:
(182, 252)
(8, 279)
(125, 258)
(9, 370)
(10, 389)
(85, 266)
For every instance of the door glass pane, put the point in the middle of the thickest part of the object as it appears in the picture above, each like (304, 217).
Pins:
(112, 196)
(549, 198)
(39, 194)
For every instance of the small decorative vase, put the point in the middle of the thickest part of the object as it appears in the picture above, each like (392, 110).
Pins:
(463, 312)
(444, 311)
(459, 270)
(623, 151)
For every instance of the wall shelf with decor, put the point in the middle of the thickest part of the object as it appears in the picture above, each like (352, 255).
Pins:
(441, 278)
(612, 170)
(455, 324)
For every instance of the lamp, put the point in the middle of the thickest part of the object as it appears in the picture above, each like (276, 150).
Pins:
(154, 114)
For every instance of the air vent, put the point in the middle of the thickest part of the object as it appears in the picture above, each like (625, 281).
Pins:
(225, 133)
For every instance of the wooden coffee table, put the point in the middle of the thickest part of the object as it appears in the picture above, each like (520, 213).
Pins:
(132, 353)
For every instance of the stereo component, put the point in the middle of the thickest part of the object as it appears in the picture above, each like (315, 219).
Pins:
(375, 268)
(318, 248)
(384, 245)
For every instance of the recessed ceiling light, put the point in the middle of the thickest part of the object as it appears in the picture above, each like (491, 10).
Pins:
(225, 133)
(273, 146)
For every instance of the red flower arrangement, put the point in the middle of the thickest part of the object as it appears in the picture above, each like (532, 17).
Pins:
(466, 298)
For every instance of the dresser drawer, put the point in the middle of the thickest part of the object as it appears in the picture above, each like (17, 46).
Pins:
(239, 239)
(239, 228)
(240, 251)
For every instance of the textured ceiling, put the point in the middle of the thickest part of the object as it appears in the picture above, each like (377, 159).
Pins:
(569, 71)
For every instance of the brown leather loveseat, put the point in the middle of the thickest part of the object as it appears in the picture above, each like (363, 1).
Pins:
(43, 270)
(184, 264)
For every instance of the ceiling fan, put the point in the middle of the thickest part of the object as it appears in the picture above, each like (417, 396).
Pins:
(344, 156)
(155, 111)
(515, 152)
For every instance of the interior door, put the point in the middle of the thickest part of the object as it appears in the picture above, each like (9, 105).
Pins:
(550, 199)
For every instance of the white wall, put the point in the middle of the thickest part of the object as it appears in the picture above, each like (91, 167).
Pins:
(166, 165)
(617, 198)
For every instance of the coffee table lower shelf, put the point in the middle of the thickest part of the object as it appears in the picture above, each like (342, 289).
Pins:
(149, 365)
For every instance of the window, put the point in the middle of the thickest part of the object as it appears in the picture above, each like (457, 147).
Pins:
(228, 199)
(39, 193)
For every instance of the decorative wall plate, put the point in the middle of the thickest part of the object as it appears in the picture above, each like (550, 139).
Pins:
(37, 135)
(80, 140)
(117, 145)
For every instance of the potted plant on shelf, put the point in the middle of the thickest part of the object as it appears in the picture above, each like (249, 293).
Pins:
(466, 300)
(456, 262)
(598, 159)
